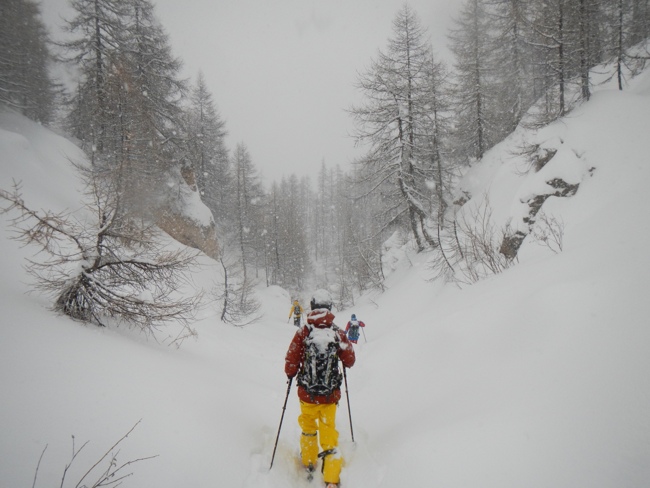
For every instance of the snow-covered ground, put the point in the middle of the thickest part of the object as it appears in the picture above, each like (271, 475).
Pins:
(537, 377)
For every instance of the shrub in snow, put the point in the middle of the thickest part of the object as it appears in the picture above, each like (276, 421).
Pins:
(105, 268)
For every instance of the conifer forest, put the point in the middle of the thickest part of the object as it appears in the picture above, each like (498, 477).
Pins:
(421, 121)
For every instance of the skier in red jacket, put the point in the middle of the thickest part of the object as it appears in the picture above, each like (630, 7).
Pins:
(325, 344)
(352, 329)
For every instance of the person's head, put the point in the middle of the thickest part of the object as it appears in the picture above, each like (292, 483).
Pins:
(295, 302)
(321, 299)
(320, 317)
(354, 317)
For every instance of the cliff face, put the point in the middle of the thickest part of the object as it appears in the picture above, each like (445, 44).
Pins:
(187, 219)
(191, 233)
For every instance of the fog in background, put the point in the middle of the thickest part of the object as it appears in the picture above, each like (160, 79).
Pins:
(282, 72)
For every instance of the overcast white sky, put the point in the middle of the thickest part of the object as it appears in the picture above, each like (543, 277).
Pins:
(282, 72)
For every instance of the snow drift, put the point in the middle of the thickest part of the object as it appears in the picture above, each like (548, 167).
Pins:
(536, 377)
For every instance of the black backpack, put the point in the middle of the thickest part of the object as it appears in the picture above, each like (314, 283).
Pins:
(320, 374)
(354, 328)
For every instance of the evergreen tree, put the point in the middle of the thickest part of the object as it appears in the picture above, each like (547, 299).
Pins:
(127, 109)
(242, 241)
(512, 53)
(366, 235)
(296, 260)
(99, 27)
(627, 22)
(319, 229)
(393, 121)
(442, 169)
(25, 83)
(248, 194)
(156, 149)
(274, 262)
(206, 133)
(475, 91)
(638, 20)
(561, 51)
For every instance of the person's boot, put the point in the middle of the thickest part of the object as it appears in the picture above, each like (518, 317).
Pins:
(331, 466)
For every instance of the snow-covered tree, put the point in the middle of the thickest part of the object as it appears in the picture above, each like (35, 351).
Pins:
(98, 28)
(627, 22)
(246, 208)
(25, 83)
(206, 132)
(476, 127)
(127, 109)
(563, 38)
(392, 121)
(513, 55)
(437, 148)
(152, 111)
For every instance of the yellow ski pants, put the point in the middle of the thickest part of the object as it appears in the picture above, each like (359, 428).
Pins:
(318, 423)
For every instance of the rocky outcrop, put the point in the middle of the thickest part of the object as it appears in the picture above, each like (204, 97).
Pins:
(554, 187)
(180, 219)
(191, 233)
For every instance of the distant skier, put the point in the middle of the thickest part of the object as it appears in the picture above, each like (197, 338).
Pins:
(313, 356)
(296, 311)
(352, 329)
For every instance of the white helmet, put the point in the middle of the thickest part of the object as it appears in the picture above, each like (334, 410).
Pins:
(321, 299)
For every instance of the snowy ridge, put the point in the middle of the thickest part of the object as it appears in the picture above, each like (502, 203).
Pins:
(537, 377)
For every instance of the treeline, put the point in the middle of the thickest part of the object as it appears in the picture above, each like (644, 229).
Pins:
(25, 82)
(421, 120)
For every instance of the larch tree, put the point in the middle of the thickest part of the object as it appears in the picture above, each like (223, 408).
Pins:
(513, 54)
(98, 29)
(273, 236)
(438, 138)
(127, 109)
(155, 92)
(557, 41)
(639, 21)
(241, 240)
(474, 83)
(25, 83)
(627, 22)
(391, 121)
(365, 235)
(206, 132)
(247, 201)
(293, 225)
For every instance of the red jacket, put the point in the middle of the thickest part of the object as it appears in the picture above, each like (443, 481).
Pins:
(347, 327)
(320, 318)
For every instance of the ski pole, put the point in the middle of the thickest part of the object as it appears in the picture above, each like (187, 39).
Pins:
(347, 395)
(364, 334)
(284, 407)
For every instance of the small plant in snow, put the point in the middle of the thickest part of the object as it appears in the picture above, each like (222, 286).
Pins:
(469, 249)
(106, 471)
(235, 295)
(549, 231)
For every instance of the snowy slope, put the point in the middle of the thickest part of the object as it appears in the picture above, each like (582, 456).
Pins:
(538, 377)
